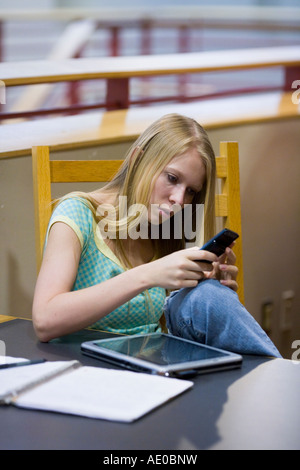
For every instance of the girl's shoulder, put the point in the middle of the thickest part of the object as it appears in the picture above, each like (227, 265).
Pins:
(77, 212)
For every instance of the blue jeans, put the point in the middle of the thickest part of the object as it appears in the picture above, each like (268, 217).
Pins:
(212, 314)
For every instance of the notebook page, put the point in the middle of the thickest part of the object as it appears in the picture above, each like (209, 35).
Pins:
(14, 380)
(11, 360)
(104, 393)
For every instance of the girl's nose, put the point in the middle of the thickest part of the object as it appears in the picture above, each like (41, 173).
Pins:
(177, 196)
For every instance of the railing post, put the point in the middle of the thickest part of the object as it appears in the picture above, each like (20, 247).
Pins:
(115, 41)
(117, 93)
(146, 38)
(74, 87)
(291, 74)
(183, 46)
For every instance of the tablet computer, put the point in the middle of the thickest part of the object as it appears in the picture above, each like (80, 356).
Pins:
(162, 354)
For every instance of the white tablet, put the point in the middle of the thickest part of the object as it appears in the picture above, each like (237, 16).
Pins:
(162, 354)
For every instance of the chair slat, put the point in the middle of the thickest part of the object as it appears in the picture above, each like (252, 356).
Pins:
(221, 205)
(221, 167)
(69, 171)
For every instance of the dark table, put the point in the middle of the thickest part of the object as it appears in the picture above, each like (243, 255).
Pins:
(254, 407)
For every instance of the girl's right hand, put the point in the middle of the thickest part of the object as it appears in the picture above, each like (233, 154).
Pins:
(184, 268)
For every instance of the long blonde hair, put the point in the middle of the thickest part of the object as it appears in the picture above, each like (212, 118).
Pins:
(166, 138)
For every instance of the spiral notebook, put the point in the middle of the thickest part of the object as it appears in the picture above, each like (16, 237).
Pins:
(94, 392)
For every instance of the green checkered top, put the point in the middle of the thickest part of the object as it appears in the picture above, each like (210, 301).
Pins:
(98, 263)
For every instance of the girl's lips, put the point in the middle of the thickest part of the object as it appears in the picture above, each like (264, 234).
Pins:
(164, 211)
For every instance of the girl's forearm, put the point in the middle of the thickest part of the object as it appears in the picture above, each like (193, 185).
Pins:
(71, 311)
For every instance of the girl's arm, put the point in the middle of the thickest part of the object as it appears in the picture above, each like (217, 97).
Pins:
(57, 310)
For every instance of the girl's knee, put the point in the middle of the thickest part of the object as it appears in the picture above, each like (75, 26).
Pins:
(212, 314)
(189, 311)
(208, 293)
(212, 295)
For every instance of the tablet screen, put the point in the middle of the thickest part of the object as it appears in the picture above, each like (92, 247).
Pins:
(160, 349)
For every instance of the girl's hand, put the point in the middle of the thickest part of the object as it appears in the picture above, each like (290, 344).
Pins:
(184, 268)
(225, 269)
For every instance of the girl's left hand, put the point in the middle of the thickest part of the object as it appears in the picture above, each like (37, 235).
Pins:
(225, 270)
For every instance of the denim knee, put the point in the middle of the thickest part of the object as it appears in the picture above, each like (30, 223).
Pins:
(212, 314)
(186, 310)
(179, 317)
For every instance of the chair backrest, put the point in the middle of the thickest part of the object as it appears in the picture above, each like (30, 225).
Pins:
(46, 171)
(228, 201)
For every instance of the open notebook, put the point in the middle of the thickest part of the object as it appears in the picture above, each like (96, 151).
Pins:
(94, 392)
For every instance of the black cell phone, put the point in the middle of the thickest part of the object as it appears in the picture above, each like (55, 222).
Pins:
(220, 242)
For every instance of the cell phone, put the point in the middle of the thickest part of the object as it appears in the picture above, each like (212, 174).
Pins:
(220, 242)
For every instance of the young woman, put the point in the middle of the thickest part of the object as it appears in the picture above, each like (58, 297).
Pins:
(112, 255)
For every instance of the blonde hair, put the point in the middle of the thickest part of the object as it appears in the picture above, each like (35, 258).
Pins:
(169, 136)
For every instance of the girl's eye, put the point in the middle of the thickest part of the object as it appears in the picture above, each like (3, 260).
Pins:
(172, 178)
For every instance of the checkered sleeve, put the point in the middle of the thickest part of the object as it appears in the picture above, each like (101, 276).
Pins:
(76, 213)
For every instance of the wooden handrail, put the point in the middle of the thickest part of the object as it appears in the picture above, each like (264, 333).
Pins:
(258, 14)
(44, 71)
(110, 127)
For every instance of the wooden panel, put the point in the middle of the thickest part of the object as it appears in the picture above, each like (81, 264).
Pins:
(83, 171)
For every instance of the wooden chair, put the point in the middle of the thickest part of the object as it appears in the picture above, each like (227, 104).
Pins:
(46, 171)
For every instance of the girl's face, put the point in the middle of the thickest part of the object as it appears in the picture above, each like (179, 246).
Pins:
(177, 185)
